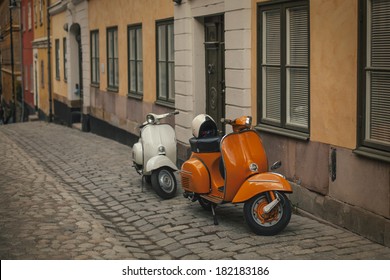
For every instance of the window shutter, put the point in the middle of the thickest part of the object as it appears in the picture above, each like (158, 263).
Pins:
(378, 73)
(297, 66)
(271, 66)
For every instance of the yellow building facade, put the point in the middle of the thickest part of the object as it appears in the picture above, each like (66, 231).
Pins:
(338, 173)
(41, 59)
(70, 62)
(114, 31)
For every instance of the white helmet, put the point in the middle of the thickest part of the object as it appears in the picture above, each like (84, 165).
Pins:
(203, 126)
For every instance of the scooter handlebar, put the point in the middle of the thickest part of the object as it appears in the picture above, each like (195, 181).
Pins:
(154, 118)
(226, 121)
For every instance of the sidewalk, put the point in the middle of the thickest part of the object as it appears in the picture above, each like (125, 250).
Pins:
(65, 194)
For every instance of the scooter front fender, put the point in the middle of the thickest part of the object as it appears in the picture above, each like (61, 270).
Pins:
(159, 161)
(260, 183)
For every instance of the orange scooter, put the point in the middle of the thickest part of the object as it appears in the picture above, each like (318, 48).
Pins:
(234, 169)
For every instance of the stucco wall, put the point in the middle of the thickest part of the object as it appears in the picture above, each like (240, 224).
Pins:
(346, 189)
(190, 60)
(43, 95)
(60, 86)
(103, 14)
(333, 71)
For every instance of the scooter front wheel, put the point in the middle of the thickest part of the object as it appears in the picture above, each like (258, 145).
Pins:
(164, 182)
(271, 223)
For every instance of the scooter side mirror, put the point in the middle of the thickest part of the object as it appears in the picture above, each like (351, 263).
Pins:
(150, 118)
(276, 165)
(226, 121)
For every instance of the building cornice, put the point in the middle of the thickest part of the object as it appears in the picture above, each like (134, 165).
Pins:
(40, 43)
(58, 7)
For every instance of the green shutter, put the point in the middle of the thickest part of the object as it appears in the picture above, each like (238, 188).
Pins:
(297, 66)
(271, 66)
(378, 73)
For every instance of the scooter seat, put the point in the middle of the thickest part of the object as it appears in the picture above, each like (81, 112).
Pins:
(205, 145)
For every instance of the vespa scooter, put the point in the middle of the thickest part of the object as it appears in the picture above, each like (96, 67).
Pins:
(234, 169)
(154, 155)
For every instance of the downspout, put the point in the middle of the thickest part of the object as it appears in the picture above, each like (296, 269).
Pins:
(12, 62)
(49, 66)
(21, 62)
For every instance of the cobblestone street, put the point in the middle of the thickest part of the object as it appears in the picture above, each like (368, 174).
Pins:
(66, 194)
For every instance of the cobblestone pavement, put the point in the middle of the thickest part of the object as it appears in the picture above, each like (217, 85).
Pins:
(66, 194)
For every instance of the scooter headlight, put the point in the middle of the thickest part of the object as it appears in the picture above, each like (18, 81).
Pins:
(248, 121)
(150, 119)
(161, 150)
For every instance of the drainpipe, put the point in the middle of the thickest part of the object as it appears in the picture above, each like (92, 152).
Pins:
(49, 65)
(21, 63)
(11, 6)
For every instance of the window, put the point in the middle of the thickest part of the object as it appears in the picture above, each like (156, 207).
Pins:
(24, 18)
(42, 74)
(31, 78)
(65, 56)
(135, 71)
(283, 69)
(95, 74)
(35, 13)
(374, 65)
(112, 58)
(26, 80)
(29, 22)
(40, 12)
(165, 62)
(57, 57)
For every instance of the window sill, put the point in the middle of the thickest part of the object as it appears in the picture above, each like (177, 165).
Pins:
(283, 132)
(95, 85)
(135, 96)
(373, 154)
(165, 104)
(111, 89)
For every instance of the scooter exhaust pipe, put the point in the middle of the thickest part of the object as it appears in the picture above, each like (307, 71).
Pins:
(190, 196)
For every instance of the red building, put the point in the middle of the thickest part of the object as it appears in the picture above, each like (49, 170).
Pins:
(27, 21)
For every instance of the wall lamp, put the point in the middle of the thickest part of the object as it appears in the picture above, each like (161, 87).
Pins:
(178, 2)
(12, 4)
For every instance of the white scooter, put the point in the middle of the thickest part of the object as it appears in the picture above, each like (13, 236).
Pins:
(154, 155)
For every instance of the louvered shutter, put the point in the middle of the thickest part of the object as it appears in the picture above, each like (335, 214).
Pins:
(297, 71)
(378, 72)
(271, 66)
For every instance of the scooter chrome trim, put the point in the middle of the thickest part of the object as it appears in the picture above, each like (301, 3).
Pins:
(278, 174)
(263, 181)
(268, 208)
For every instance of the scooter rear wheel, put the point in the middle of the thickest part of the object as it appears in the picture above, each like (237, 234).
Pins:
(270, 223)
(164, 182)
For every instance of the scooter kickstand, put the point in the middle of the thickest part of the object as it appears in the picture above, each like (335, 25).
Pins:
(142, 184)
(213, 206)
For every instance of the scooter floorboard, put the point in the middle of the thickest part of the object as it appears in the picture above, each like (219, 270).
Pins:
(214, 199)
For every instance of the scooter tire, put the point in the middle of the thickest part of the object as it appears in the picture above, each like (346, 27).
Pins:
(271, 223)
(148, 179)
(164, 182)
